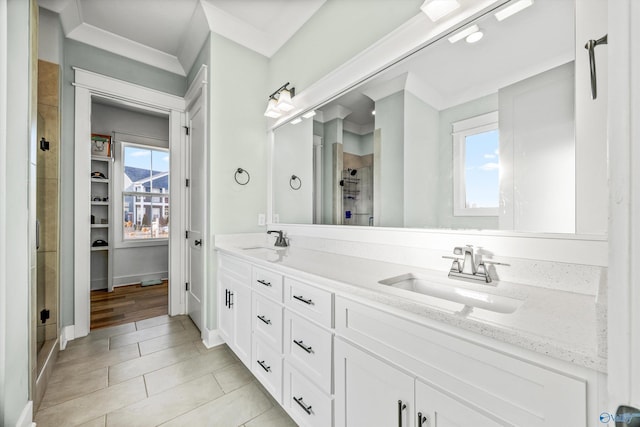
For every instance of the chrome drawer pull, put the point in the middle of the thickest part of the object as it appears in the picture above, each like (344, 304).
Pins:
(263, 282)
(304, 347)
(300, 402)
(306, 301)
(265, 367)
(267, 321)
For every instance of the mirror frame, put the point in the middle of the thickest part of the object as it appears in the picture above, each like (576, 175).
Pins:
(409, 39)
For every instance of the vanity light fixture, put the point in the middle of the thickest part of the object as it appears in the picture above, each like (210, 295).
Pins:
(296, 120)
(512, 9)
(280, 101)
(467, 32)
(437, 9)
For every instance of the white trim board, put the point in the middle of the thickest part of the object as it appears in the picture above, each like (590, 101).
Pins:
(211, 338)
(26, 416)
(87, 85)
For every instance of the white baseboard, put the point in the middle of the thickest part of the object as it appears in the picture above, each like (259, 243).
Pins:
(26, 417)
(211, 338)
(137, 278)
(67, 333)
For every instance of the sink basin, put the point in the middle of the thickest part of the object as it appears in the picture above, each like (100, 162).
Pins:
(469, 297)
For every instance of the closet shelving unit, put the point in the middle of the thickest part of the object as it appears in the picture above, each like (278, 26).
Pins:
(101, 271)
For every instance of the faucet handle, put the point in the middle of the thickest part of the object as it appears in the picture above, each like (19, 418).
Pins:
(460, 250)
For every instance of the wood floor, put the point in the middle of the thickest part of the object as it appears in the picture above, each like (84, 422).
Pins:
(128, 304)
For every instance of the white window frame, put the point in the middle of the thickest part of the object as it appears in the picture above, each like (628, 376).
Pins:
(460, 131)
(119, 194)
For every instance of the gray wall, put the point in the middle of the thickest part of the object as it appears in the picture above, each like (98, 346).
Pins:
(89, 58)
(336, 33)
(14, 192)
(359, 145)
(130, 264)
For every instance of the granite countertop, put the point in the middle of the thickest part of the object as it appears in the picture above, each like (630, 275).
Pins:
(562, 325)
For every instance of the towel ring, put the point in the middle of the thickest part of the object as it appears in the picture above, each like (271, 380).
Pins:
(293, 180)
(240, 172)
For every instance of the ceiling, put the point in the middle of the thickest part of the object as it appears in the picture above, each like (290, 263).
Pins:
(444, 74)
(168, 34)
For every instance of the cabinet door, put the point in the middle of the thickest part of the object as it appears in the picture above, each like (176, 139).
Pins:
(437, 409)
(369, 392)
(241, 307)
(226, 285)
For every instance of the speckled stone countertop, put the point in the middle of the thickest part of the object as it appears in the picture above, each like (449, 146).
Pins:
(562, 325)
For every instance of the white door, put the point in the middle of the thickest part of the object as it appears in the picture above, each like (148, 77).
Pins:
(196, 199)
(370, 392)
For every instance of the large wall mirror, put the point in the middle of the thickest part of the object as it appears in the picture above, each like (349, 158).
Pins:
(475, 131)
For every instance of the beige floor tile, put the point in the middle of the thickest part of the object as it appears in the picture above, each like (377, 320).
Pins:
(233, 377)
(98, 334)
(166, 405)
(168, 341)
(152, 362)
(155, 321)
(98, 422)
(188, 370)
(144, 334)
(89, 348)
(63, 371)
(274, 417)
(92, 405)
(230, 410)
(74, 386)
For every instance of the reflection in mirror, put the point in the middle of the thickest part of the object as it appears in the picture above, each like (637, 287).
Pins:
(460, 135)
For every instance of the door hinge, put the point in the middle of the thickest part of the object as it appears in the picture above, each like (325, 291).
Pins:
(186, 182)
(186, 129)
(186, 286)
(186, 234)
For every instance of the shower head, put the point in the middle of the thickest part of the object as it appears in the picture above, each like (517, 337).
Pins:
(353, 172)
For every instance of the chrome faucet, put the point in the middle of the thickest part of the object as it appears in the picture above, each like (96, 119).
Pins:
(468, 264)
(280, 240)
(465, 267)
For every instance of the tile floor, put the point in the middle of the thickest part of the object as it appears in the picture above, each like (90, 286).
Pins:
(154, 372)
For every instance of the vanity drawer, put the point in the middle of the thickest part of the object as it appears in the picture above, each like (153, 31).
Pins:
(267, 367)
(267, 283)
(311, 302)
(267, 321)
(306, 404)
(235, 268)
(309, 348)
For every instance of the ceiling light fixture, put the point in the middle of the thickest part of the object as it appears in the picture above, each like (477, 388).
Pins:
(280, 101)
(474, 37)
(512, 9)
(296, 120)
(464, 33)
(309, 114)
(437, 9)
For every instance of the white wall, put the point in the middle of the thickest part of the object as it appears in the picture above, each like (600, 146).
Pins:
(389, 200)
(131, 263)
(293, 154)
(360, 145)
(50, 38)
(421, 166)
(537, 153)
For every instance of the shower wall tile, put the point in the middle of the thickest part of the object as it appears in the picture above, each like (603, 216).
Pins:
(48, 128)
(48, 83)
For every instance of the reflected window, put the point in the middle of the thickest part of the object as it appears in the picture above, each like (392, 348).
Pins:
(476, 166)
(145, 192)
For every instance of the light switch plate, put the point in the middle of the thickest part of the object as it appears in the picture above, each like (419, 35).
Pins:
(262, 219)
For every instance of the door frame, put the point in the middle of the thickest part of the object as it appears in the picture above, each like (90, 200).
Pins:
(197, 92)
(87, 85)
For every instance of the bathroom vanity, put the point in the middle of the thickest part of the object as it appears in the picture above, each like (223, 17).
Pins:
(335, 347)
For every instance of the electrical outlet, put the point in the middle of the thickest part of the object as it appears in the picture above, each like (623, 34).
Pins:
(262, 220)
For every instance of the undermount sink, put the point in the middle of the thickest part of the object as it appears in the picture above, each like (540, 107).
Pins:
(468, 297)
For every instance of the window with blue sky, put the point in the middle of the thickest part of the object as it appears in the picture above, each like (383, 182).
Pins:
(482, 170)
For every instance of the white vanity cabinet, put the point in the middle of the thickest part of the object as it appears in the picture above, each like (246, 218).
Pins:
(234, 309)
(457, 382)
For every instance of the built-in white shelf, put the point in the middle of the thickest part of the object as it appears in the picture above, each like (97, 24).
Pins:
(100, 203)
(99, 225)
(100, 248)
(101, 180)
(101, 158)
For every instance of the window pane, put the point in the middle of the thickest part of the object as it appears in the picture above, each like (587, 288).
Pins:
(482, 170)
(160, 171)
(137, 169)
(136, 219)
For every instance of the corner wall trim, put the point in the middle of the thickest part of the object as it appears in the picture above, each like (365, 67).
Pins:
(26, 416)
(211, 338)
(67, 333)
